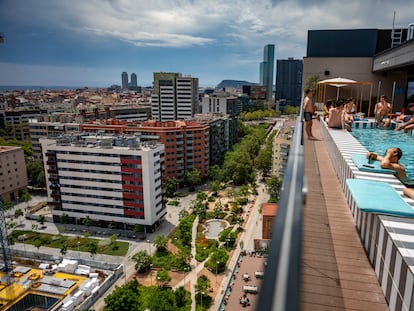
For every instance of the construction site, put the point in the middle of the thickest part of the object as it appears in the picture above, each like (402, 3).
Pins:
(48, 283)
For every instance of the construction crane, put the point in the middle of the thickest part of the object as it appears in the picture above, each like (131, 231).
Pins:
(4, 243)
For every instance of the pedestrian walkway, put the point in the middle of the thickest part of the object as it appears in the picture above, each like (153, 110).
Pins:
(336, 274)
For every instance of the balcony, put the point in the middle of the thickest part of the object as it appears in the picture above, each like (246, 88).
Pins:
(316, 259)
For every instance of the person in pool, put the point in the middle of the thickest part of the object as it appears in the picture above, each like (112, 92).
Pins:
(390, 161)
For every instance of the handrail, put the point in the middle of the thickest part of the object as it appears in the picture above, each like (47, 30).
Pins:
(281, 284)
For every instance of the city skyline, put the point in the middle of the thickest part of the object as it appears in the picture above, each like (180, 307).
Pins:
(90, 43)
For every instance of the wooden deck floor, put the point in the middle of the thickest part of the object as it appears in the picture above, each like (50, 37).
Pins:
(336, 273)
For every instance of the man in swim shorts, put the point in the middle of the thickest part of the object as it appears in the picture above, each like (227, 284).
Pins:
(308, 112)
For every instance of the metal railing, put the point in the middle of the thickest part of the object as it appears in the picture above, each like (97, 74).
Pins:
(281, 284)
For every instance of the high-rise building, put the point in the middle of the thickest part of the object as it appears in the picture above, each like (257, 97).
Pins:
(106, 178)
(267, 69)
(289, 81)
(124, 78)
(174, 97)
(134, 82)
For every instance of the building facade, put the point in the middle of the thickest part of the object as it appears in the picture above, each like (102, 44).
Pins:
(289, 81)
(106, 178)
(269, 212)
(13, 174)
(267, 68)
(124, 80)
(134, 81)
(281, 147)
(174, 97)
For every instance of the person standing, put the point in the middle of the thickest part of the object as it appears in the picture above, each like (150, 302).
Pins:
(308, 110)
(382, 111)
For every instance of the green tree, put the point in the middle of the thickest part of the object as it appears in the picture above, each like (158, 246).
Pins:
(291, 110)
(87, 221)
(203, 284)
(215, 187)
(63, 249)
(114, 241)
(311, 82)
(192, 178)
(217, 260)
(215, 173)
(160, 243)
(41, 219)
(142, 261)
(18, 213)
(163, 277)
(171, 186)
(263, 161)
(93, 248)
(64, 218)
(124, 298)
(25, 195)
(112, 225)
(162, 300)
(201, 195)
(274, 186)
(36, 174)
(137, 228)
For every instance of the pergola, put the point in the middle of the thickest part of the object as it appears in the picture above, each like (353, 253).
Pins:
(342, 82)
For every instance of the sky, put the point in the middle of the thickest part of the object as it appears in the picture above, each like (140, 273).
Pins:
(91, 42)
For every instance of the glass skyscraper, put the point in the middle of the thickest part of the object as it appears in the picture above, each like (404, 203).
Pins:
(267, 68)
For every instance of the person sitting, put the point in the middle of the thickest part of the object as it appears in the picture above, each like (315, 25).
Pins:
(325, 110)
(337, 117)
(350, 109)
(407, 119)
(390, 161)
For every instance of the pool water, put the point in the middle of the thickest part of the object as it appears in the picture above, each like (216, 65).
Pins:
(379, 140)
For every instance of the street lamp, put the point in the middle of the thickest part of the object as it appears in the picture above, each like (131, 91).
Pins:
(151, 273)
(201, 299)
(227, 243)
(149, 247)
(217, 263)
(79, 249)
(185, 270)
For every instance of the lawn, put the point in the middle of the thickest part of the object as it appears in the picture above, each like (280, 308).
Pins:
(75, 243)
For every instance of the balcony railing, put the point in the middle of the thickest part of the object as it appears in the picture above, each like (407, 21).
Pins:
(281, 284)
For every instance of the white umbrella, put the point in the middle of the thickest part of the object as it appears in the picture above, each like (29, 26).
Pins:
(338, 83)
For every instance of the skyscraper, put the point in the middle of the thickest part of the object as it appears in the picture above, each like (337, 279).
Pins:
(134, 82)
(289, 81)
(267, 69)
(124, 78)
(174, 97)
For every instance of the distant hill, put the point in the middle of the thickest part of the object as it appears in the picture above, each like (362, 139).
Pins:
(238, 84)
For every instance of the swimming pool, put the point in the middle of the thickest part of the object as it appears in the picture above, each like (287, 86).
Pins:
(379, 140)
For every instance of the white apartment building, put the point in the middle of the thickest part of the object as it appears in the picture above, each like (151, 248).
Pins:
(108, 178)
(281, 147)
(174, 97)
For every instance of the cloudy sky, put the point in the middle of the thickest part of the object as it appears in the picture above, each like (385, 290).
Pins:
(90, 42)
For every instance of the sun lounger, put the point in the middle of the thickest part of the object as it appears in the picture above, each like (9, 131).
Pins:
(361, 162)
(378, 197)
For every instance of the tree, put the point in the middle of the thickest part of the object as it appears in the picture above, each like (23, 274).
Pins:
(142, 261)
(274, 186)
(160, 243)
(64, 218)
(163, 277)
(192, 178)
(38, 243)
(215, 187)
(171, 186)
(311, 82)
(203, 284)
(201, 195)
(41, 219)
(63, 249)
(137, 228)
(216, 173)
(87, 221)
(112, 225)
(25, 195)
(124, 298)
(114, 241)
(18, 213)
(93, 248)
(36, 174)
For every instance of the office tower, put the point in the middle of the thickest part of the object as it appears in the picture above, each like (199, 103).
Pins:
(134, 82)
(174, 97)
(124, 77)
(266, 70)
(108, 178)
(289, 81)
